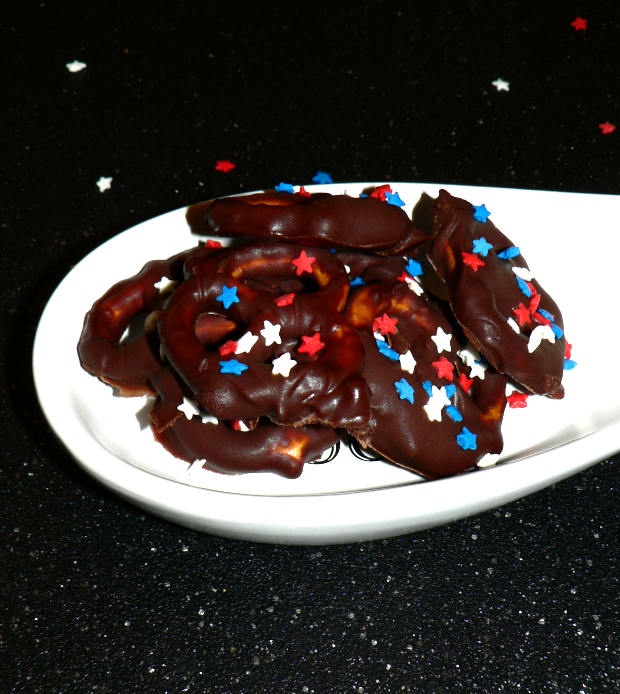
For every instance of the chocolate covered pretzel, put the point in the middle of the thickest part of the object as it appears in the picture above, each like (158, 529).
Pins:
(320, 219)
(502, 308)
(264, 353)
(228, 446)
(288, 354)
(127, 361)
(428, 415)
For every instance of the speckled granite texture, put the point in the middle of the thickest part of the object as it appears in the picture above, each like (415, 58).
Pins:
(98, 597)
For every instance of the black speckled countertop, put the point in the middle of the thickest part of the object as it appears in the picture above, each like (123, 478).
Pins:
(98, 596)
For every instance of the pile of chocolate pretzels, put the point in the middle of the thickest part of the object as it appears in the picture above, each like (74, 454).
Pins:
(329, 317)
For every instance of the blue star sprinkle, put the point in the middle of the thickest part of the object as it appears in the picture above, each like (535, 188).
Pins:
(285, 188)
(386, 350)
(523, 287)
(428, 387)
(413, 268)
(232, 366)
(454, 414)
(228, 296)
(545, 314)
(356, 282)
(480, 213)
(405, 390)
(511, 252)
(450, 390)
(394, 199)
(322, 177)
(466, 440)
(557, 331)
(569, 364)
(482, 246)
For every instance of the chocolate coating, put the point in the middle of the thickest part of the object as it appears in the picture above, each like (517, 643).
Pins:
(403, 431)
(134, 367)
(483, 299)
(267, 447)
(332, 221)
(128, 365)
(325, 386)
(268, 339)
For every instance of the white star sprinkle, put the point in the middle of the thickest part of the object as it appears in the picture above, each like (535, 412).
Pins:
(246, 342)
(407, 362)
(469, 355)
(513, 324)
(437, 401)
(271, 333)
(414, 285)
(283, 364)
(540, 333)
(442, 340)
(501, 85)
(188, 408)
(165, 285)
(75, 66)
(208, 419)
(104, 183)
(522, 273)
(478, 370)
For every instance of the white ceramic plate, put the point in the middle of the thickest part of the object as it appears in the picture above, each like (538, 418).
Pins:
(571, 242)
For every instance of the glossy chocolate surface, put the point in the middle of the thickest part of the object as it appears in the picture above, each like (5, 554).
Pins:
(267, 447)
(487, 292)
(406, 428)
(128, 364)
(279, 347)
(333, 221)
(325, 386)
(133, 365)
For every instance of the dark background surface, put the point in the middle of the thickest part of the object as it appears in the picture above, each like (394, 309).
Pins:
(99, 597)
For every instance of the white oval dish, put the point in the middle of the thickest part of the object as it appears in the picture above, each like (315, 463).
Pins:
(570, 241)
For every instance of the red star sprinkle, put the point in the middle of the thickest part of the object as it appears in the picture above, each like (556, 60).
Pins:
(539, 318)
(213, 244)
(517, 400)
(472, 260)
(534, 302)
(384, 324)
(607, 128)
(579, 24)
(311, 344)
(380, 192)
(229, 347)
(522, 313)
(444, 369)
(224, 165)
(465, 382)
(303, 191)
(284, 300)
(568, 350)
(303, 263)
